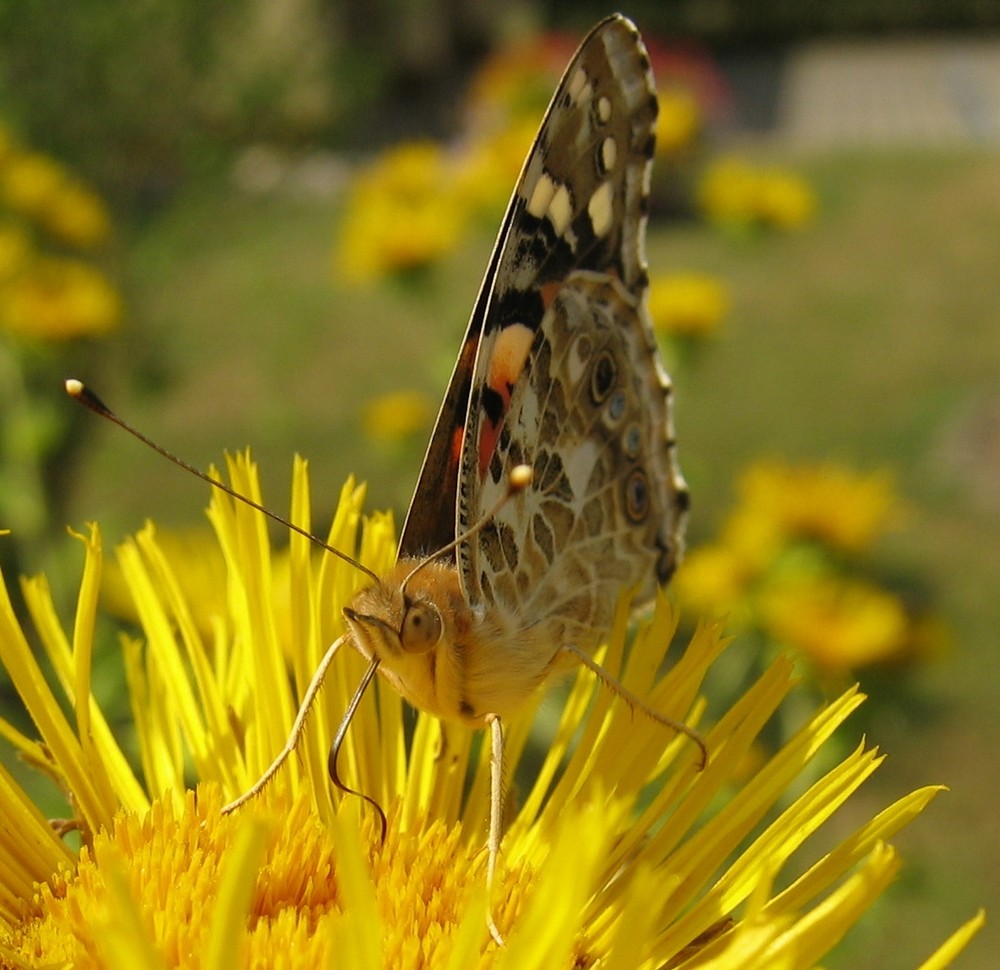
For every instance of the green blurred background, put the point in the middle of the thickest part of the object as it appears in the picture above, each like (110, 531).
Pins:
(223, 137)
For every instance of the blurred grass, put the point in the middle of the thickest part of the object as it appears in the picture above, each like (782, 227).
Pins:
(871, 338)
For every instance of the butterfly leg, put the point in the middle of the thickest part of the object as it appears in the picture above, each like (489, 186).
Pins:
(616, 687)
(496, 819)
(296, 732)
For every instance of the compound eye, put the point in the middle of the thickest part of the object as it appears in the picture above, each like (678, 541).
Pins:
(421, 628)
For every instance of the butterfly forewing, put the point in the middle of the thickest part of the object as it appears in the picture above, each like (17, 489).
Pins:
(589, 163)
(567, 376)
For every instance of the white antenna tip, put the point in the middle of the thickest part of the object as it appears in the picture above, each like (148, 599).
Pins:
(520, 478)
(74, 388)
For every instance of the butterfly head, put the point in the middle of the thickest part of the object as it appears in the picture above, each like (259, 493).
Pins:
(413, 623)
(386, 620)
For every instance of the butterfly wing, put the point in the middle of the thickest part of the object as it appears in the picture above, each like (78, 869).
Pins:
(607, 504)
(567, 376)
(534, 252)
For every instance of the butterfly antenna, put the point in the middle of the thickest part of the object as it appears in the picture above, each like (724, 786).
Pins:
(339, 740)
(518, 480)
(80, 392)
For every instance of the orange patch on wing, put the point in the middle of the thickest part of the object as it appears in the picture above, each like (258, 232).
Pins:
(507, 359)
(506, 364)
(549, 291)
(457, 436)
(488, 438)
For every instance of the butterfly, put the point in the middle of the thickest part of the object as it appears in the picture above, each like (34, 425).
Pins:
(551, 482)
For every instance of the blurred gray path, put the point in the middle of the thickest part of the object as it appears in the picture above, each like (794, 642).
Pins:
(891, 92)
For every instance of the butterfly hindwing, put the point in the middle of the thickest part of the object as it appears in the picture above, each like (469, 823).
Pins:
(606, 508)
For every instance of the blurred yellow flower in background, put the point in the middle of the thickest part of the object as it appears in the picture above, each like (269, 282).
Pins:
(412, 204)
(840, 624)
(827, 502)
(687, 305)
(398, 415)
(15, 250)
(59, 299)
(487, 167)
(785, 200)
(28, 181)
(712, 581)
(401, 214)
(632, 863)
(43, 295)
(792, 561)
(736, 193)
(38, 188)
(77, 217)
(679, 122)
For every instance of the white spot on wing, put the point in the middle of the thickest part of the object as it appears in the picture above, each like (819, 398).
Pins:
(609, 154)
(604, 110)
(579, 86)
(585, 456)
(561, 210)
(541, 196)
(647, 179)
(600, 209)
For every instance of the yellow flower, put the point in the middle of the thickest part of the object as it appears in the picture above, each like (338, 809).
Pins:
(201, 574)
(687, 305)
(487, 168)
(29, 180)
(839, 624)
(515, 83)
(734, 192)
(678, 122)
(39, 188)
(15, 251)
(401, 215)
(726, 191)
(77, 217)
(755, 534)
(829, 503)
(712, 580)
(58, 299)
(620, 853)
(785, 200)
(396, 416)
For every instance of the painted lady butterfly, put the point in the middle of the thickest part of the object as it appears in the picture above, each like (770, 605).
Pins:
(558, 373)
(551, 481)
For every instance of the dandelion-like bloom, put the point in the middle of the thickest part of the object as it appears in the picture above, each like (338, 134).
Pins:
(400, 216)
(840, 624)
(828, 502)
(39, 188)
(738, 194)
(29, 180)
(687, 305)
(59, 299)
(678, 121)
(618, 851)
(396, 416)
(788, 560)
